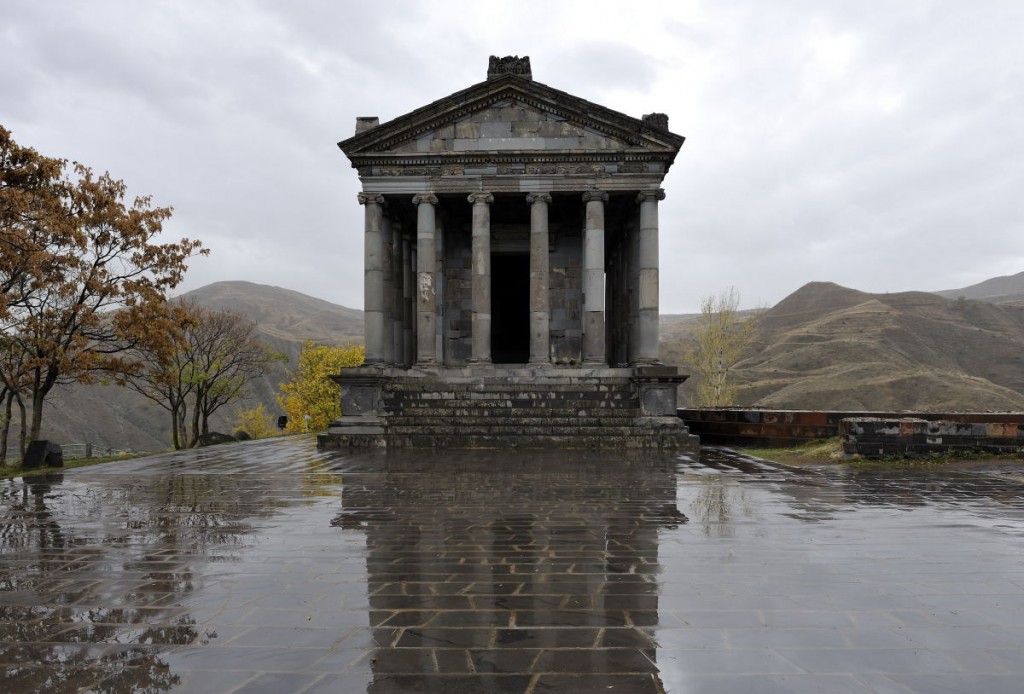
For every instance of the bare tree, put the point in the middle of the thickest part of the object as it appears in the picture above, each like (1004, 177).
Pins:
(720, 340)
(208, 362)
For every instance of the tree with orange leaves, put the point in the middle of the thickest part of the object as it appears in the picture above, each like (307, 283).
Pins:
(83, 276)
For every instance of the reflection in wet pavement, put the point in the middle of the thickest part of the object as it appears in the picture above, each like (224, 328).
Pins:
(271, 567)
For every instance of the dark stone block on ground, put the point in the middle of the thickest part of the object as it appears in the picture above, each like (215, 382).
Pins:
(43, 454)
(214, 438)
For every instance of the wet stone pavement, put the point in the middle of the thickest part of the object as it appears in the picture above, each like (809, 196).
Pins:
(272, 567)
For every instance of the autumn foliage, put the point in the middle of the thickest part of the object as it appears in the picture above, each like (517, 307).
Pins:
(311, 392)
(82, 275)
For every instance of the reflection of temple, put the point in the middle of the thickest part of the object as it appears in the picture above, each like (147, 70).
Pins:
(511, 247)
(536, 563)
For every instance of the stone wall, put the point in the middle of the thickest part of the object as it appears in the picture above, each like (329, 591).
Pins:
(566, 297)
(777, 428)
(876, 437)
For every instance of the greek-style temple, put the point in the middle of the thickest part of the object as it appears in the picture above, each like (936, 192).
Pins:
(511, 274)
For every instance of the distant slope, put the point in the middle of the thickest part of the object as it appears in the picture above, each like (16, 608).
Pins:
(828, 347)
(996, 290)
(115, 417)
(283, 313)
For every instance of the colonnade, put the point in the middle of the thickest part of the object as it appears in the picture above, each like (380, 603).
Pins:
(401, 291)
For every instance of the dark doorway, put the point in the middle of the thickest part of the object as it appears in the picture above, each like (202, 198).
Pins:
(510, 308)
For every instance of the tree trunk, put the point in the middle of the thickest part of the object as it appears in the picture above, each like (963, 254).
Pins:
(22, 442)
(8, 404)
(38, 398)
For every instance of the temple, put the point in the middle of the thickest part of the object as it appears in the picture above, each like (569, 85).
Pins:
(511, 273)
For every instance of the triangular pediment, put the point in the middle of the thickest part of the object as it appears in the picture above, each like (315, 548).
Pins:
(511, 113)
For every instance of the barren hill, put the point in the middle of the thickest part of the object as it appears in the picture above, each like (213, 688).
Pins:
(830, 347)
(824, 346)
(110, 416)
(995, 291)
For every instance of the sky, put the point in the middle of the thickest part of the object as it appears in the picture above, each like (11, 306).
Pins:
(875, 144)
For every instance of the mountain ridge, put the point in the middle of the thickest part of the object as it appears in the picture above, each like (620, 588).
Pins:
(824, 346)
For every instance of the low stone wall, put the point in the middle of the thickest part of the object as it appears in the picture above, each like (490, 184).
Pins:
(760, 428)
(876, 437)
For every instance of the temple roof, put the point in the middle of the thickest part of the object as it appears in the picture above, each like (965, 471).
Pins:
(510, 117)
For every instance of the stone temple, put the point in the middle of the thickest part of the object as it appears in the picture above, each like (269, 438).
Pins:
(511, 274)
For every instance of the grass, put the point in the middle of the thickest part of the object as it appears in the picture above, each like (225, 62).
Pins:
(7, 471)
(830, 452)
(820, 452)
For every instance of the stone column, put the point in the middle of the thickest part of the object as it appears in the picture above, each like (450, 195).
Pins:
(410, 299)
(373, 276)
(387, 264)
(540, 304)
(426, 294)
(647, 346)
(481, 277)
(593, 279)
(397, 295)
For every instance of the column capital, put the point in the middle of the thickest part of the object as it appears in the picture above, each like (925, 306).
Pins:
(482, 197)
(532, 198)
(429, 198)
(646, 195)
(595, 195)
(370, 198)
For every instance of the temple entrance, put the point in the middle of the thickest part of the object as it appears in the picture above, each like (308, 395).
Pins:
(510, 308)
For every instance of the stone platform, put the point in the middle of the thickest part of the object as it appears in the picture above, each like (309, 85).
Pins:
(510, 407)
(269, 566)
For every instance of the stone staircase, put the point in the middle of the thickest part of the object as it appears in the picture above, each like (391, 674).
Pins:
(507, 411)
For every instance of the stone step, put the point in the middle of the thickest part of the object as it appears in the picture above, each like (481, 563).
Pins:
(406, 403)
(473, 421)
(527, 430)
(428, 386)
(640, 440)
(505, 410)
(616, 430)
(523, 395)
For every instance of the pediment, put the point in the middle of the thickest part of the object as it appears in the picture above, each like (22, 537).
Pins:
(511, 114)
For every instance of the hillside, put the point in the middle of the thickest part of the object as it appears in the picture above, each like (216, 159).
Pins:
(824, 346)
(110, 416)
(829, 347)
(994, 291)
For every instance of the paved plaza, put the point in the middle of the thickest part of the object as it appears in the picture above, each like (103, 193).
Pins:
(272, 567)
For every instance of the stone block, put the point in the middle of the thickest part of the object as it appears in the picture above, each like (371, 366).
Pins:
(467, 130)
(42, 454)
(561, 142)
(526, 129)
(500, 129)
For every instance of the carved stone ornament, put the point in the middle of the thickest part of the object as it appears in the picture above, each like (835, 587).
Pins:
(656, 120)
(509, 65)
(485, 198)
(532, 198)
(370, 198)
(645, 195)
(424, 197)
(595, 195)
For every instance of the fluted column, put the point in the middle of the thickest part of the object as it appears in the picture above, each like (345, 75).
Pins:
(387, 267)
(397, 294)
(481, 277)
(647, 348)
(373, 276)
(593, 279)
(426, 285)
(540, 305)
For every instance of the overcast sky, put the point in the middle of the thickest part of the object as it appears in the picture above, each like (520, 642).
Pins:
(876, 144)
